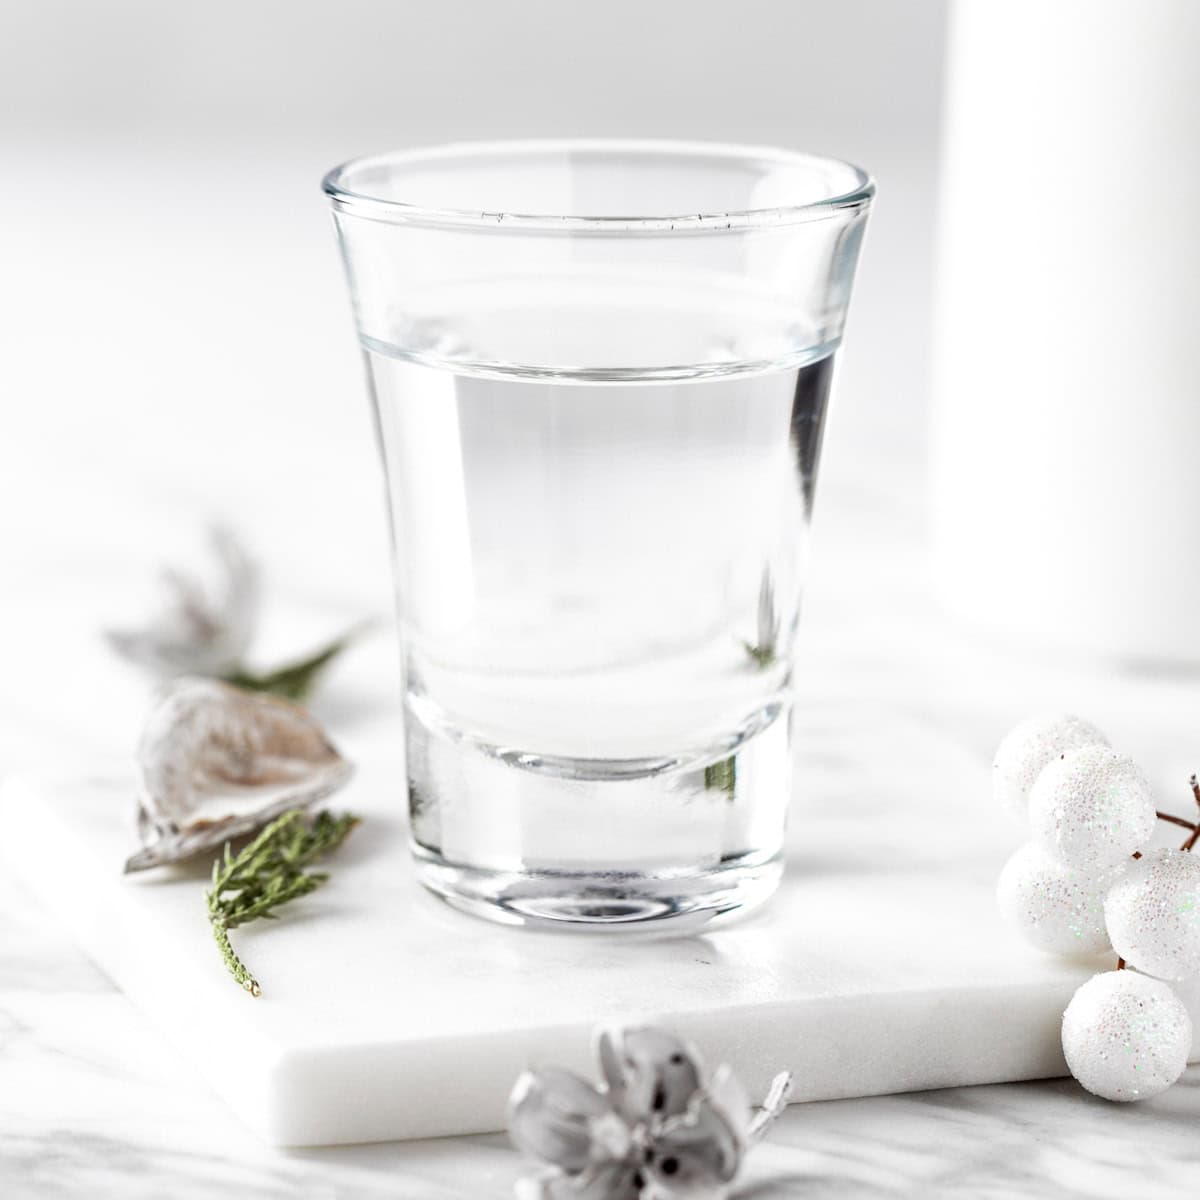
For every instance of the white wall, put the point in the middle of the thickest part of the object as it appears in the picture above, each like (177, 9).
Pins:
(855, 77)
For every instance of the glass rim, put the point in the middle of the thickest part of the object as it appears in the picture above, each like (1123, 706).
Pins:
(361, 204)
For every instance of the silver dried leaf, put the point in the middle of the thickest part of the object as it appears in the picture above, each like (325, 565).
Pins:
(215, 762)
(204, 620)
(653, 1130)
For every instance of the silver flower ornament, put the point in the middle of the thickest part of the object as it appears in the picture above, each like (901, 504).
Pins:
(215, 762)
(205, 620)
(654, 1130)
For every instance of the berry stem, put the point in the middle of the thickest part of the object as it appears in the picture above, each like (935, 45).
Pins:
(1192, 827)
(1194, 784)
(1193, 837)
(1162, 816)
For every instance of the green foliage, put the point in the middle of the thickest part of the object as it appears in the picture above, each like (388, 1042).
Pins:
(722, 776)
(266, 874)
(296, 680)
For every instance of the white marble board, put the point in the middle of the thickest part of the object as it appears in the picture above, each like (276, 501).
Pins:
(880, 967)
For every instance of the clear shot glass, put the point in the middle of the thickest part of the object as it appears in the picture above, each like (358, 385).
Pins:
(600, 371)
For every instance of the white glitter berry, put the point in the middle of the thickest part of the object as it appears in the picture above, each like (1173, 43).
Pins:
(1126, 1036)
(1057, 908)
(1153, 915)
(1028, 748)
(1091, 808)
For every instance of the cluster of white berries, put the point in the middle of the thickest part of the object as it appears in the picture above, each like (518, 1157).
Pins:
(1084, 885)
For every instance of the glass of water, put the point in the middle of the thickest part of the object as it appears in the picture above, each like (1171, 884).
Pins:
(600, 372)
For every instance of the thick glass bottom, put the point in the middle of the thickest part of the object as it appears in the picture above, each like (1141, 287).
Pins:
(599, 844)
(600, 902)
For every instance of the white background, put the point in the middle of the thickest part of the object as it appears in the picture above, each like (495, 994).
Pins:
(174, 321)
(176, 339)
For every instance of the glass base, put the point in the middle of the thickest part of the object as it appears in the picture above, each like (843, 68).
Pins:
(600, 902)
(607, 844)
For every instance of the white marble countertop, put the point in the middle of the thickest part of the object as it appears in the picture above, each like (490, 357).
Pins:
(93, 1102)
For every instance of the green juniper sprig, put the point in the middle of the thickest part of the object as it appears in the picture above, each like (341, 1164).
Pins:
(268, 873)
(294, 680)
(764, 651)
(763, 656)
(722, 776)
